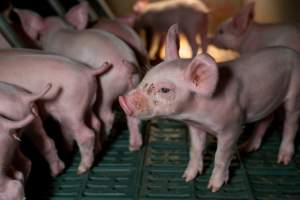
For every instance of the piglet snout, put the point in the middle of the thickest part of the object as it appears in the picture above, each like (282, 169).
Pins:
(124, 106)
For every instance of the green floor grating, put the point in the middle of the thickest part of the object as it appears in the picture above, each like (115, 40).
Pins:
(155, 172)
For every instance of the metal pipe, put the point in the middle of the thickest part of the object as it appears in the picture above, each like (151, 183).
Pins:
(10, 35)
(102, 8)
(58, 7)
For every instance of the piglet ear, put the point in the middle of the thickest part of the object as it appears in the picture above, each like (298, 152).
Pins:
(242, 20)
(202, 75)
(32, 22)
(78, 16)
(172, 43)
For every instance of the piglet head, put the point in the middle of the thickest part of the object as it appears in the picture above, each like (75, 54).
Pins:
(232, 32)
(172, 87)
(37, 27)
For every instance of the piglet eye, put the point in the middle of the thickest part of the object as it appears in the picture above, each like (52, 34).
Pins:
(164, 90)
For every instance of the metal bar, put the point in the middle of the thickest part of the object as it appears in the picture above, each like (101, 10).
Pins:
(104, 6)
(58, 7)
(10, 35)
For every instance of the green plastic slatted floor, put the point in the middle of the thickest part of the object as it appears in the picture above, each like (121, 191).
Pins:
(155, 172)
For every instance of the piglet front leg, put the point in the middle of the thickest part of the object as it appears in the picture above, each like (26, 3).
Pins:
(135, 137)
(227, 141)
(195, 165)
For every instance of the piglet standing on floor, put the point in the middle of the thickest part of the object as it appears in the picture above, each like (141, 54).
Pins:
(11, 180)
(17, 103)
(71, 99)
(242, 34)
(220, 100)
(92, 47)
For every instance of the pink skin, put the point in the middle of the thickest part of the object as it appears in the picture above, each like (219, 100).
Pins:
(25, 70)
(200, 93)
(18, 102)
(159, 20)
(125, 33)
(242, 34)
(59, 37)
(11, 180)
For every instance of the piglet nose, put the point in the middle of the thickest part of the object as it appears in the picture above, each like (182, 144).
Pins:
(124, 106)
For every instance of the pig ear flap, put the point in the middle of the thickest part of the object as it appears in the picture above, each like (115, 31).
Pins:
(202, 75)
(241, 22)
(172, 43)
(78, 16)
(32, 22)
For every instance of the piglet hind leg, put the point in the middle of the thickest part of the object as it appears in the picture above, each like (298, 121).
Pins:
(135, 137)
(46, 146)
(226, 146)
(287, 146)
(255, 140)
(96, 125)
(198, 142)
(85, 139)
(21, 164)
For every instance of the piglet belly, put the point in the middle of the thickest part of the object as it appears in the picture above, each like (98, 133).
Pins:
(264, 105)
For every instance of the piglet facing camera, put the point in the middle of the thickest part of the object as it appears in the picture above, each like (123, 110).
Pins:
(202, 94)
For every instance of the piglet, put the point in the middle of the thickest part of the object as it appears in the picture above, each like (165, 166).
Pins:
(78, 17)
(92, 47)
(220, 100)
(191, 15)
(70, 100)
(11, 181)
(18, 102)
(242, 34)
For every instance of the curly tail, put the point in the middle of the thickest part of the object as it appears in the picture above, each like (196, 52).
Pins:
(102, 69)
(29, 98)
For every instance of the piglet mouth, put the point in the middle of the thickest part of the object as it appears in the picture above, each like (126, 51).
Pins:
(124, 106)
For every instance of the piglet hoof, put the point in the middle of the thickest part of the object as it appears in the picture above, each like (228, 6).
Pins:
(134, 147)
(215, 182)
(249, 146)
(285, 156)
(136, 144)
(192, 170)
(82, 169)
(57, 168)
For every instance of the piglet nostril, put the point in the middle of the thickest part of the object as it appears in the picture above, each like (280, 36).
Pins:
(124, 106)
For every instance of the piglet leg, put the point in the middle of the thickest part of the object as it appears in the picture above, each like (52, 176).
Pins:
(46, 146)
(85, 139)
(135, 137)
(22, 164)
(96, 125)
(254, 142)
(195, 165)
(287, 147)
(225, 150)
